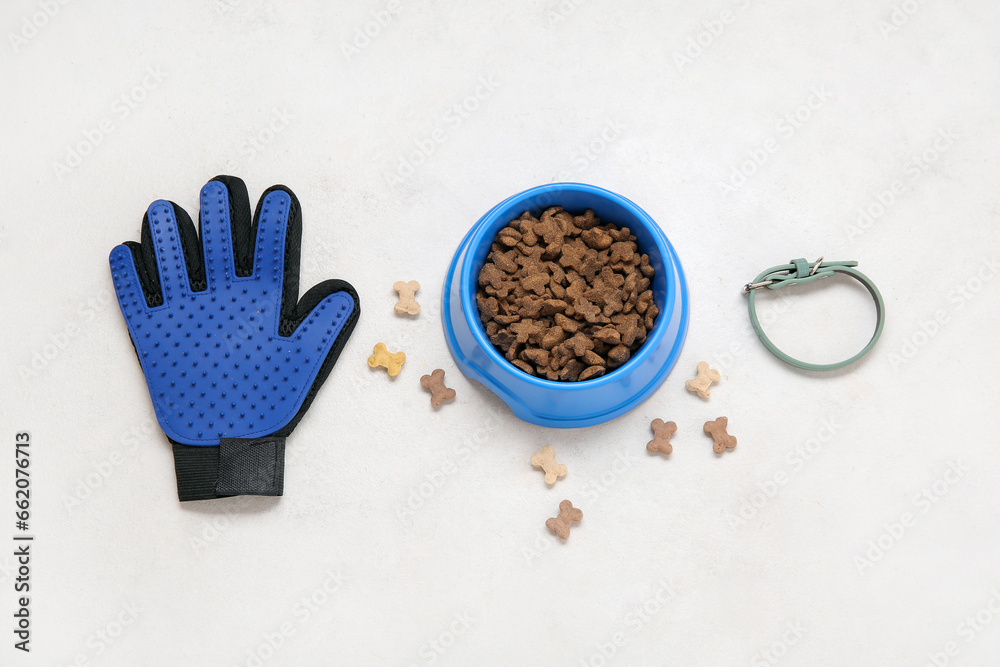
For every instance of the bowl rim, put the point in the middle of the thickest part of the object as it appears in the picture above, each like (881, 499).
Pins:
(467, 283)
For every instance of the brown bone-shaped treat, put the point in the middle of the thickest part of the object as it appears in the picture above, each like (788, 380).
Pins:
(706, 376)
(536, 282)
(651, 314)
(435, 384)
(717, 429)
(551, 228)
(492, 276)
(505, 261)
(587, 220)
(570, 372)
(579, 343)
(537, 356)
(567, 324)
(607, 334)
(553, 307)
(568, 515)
(617, 356)
(489, 307)
(661, 436)
(527, 330)
(645, 267)
(630, 329)
(565, 221)
(572, 256)
(524, 366)
(509, 236)
(545, 458)
(598, 239)
(407, 304)
(589, 311)
(552, 337)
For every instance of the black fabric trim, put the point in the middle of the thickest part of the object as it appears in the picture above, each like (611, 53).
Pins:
(197, 470)
(191, 245)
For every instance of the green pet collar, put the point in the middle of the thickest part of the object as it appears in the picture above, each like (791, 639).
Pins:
(798, 272)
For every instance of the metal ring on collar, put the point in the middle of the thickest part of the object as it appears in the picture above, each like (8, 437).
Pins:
(797, 272)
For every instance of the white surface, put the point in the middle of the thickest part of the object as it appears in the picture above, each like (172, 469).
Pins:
(212, 583)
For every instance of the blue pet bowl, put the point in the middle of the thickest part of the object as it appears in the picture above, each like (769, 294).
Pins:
(566, 404)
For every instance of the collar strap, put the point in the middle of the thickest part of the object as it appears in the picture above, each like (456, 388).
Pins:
(798, 272)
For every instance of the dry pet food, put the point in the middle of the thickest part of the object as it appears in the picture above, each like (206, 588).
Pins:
(545, 458)
(717, 429)
(391, 361)
(706, 376)
(566, 297)
(407, 304)
(661, 436)
(567, 515)
(435, 384)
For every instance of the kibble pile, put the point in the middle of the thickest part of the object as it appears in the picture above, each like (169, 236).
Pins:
(565, 297)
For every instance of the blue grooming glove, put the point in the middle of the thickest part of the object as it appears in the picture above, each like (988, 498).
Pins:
(232, 357)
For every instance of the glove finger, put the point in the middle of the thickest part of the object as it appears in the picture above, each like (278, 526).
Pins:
(328, 313)
(126, 280)
(278, 221)
(168, 248)
(224, 226)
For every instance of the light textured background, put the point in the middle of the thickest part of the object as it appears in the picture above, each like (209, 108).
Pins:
(413, 537)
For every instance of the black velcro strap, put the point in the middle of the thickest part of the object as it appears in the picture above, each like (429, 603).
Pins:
(251, 467)
(238, 467)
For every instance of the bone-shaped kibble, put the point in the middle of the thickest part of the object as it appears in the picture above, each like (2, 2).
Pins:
(567, 515)
(545, 458)
(435, 384)
(407, 304)
(706, 376)
(391, 361)
(661, 436)
(717, 429)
